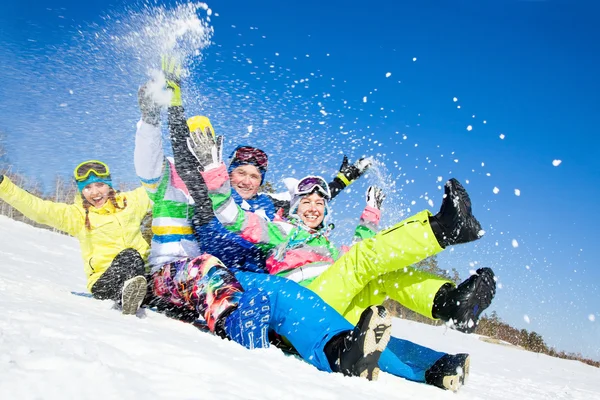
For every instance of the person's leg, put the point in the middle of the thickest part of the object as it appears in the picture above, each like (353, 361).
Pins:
(205, 285)
(394, 249)
(310, 324)
(411, 287)
(408, 360)
(406, 243)
(125, 266)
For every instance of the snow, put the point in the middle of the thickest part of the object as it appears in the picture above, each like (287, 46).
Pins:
(556, 163)
(54, 345)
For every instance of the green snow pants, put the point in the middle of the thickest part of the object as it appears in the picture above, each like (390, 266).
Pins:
(379, 268)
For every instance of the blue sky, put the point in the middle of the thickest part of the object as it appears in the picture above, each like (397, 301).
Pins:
(316, 73)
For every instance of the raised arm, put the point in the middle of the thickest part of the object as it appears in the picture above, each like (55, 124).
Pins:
(347, 174)
(148, 155)
(65, 217)
(369, 220)
(186, 164)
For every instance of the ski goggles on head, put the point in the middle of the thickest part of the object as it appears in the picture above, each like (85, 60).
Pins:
(310, 184)
(250, 155)
(98, 168)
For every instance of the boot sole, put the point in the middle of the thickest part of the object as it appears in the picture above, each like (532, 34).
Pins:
(454, 382)
(481, 290)
(134, 291)
(378, 331)
(462, 202)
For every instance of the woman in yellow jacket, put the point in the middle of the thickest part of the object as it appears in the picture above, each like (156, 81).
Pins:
(107, 225)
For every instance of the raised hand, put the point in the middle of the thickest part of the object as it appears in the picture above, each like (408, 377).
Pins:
(207, 148)
(171, 67)
(350, 172)
(150, 110)
(375, 197)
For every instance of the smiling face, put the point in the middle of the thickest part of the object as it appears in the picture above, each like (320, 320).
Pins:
(96, 193)
(246, 179)
(311, 210)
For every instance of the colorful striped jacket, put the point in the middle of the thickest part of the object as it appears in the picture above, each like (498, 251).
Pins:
(173, 236)
(294, 252)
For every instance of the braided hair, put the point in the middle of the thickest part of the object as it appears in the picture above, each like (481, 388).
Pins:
(111, 197)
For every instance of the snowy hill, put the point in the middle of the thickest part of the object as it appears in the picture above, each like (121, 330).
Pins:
(54, 345)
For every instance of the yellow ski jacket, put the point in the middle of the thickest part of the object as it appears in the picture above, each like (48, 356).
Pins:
(112, 230)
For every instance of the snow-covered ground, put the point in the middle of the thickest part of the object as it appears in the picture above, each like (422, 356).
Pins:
(54, 345)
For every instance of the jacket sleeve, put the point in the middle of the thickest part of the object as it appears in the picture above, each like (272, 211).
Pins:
(65, 217)
(186, 166)
(336, 186)
(247, 224)
(149, 158)
(369, 222)
(140, 199)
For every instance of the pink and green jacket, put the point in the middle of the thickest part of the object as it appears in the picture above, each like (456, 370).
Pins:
(294, 252)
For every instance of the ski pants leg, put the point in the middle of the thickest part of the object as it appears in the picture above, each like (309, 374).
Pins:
(299, 315)
(411, 287)
(393, 249)
(127, 264)
(203, 284)
(407, 359)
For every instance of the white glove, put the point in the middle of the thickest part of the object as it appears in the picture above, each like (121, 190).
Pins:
(375, 197)
(207, 149)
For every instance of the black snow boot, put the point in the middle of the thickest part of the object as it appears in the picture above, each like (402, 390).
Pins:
(464, 304)
(357, 352)
(449, 372)
(455, 223)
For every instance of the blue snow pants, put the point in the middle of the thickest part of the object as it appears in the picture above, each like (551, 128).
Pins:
(299, 315)
(291, 303)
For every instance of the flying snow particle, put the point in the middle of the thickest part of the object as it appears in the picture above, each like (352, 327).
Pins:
(527, 267)
(556, 163)
(430, 202)
(277, 54)
(324, 112)
(457, 106)
(502, 136)
(71, 91)
(515, 244)
(414, 59)
(473, 116)
(469, 128)
(496, 190)
(526, 318)
(592, 317)
(484, 121)
(250, 128)
(517, 192)
(455, 99)
(365, 99)
(388, 74)
(62, 105)
(439, 178)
